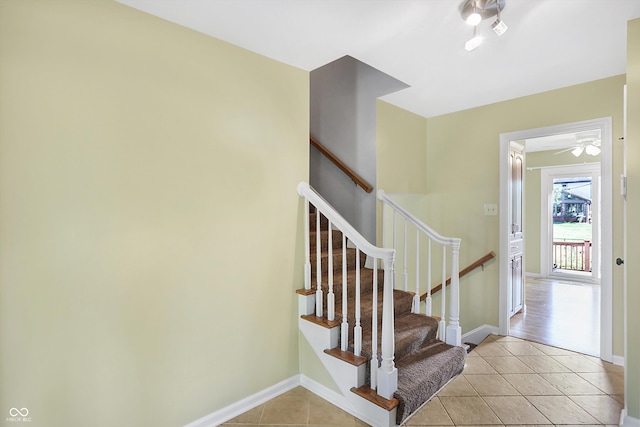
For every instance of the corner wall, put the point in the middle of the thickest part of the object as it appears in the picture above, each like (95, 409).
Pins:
(150, 226)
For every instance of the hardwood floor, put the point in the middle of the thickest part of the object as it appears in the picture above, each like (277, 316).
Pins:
(561, 314)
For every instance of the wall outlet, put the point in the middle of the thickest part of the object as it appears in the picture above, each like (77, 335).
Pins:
(490, 209)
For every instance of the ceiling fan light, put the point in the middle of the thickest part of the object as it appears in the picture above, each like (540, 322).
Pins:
(577, 151)
(592, 150)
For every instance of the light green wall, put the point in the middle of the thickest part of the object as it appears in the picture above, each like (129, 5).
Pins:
(401, 151)
(532, 208)
(632, 377)
(150, 228)
(463, 175)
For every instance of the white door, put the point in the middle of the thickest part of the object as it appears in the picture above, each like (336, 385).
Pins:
(516, 235)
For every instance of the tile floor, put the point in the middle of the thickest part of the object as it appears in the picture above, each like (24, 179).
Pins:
(506, 381)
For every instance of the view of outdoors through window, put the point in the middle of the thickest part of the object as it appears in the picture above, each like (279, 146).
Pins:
(572, 224)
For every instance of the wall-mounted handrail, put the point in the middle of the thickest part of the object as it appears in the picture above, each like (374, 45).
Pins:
(341, 165)
(463, 272)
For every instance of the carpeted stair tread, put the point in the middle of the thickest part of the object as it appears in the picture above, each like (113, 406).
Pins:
(336, 256)
(411, 332)
(402, 302)
(366, 283)
(424, 372)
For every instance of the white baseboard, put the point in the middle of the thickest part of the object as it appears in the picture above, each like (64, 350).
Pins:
(225, 414)
(327, 394)
(627, 421)
(533, 275)
(477, 335)
(617, 360)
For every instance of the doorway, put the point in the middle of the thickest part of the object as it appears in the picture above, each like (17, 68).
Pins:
(602, 238)
(570, 222)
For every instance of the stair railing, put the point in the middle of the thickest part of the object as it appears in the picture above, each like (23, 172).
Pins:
(357, 179)
(451, 333)
(384, 378)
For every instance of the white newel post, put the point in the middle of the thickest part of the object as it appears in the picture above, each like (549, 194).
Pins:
(387, 374)
(454, 331)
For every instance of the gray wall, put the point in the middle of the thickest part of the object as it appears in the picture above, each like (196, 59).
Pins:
(343, 118)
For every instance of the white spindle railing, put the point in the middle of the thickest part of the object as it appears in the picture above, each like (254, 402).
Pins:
(451, 332)
(384, 378)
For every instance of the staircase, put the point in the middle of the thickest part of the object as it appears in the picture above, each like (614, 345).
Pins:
(386, 357)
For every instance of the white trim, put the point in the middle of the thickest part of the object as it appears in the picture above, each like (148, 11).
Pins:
(477, 335)
(617, 360)
(627, 421)
(225, 414)
(606, 297)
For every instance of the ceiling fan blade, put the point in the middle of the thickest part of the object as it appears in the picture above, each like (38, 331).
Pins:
(565, 150)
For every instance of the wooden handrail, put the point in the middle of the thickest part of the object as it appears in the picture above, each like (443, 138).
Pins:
(464, 272)
(340, 164)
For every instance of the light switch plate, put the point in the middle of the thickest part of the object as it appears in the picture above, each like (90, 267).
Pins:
(490, 209)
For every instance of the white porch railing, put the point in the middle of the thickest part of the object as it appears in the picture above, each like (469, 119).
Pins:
(384, 378)
(451, 333)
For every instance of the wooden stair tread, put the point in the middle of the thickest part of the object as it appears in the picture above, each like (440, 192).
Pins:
(347, 356)
(305, 292)
(322, 321)
(367, 393)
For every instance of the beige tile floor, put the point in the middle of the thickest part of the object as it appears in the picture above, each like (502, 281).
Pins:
(506, 381)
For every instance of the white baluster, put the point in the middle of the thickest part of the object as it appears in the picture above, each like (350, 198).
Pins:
(374, 330)
(395, 245)
(307, 247)
(331, 299)
(454, 331)
(428, 301)
(318, 267)
(387, 373)
(344, 329)
(443, 292)
(416, 297)
(357, 330)
(404, 256)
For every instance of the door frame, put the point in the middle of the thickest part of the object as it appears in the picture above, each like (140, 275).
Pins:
(546, 223)
(606, 285)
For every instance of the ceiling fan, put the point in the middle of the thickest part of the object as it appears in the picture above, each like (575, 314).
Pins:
(587, 142)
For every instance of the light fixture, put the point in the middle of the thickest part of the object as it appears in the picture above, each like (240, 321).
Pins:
(474, 41)
(474, 17)
(577, 151)
(475, 11)
(592, 150)
(499, 27)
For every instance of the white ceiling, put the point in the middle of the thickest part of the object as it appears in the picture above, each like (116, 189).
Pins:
(549, 44)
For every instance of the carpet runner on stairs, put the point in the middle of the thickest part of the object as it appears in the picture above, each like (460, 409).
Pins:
(424, 363)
